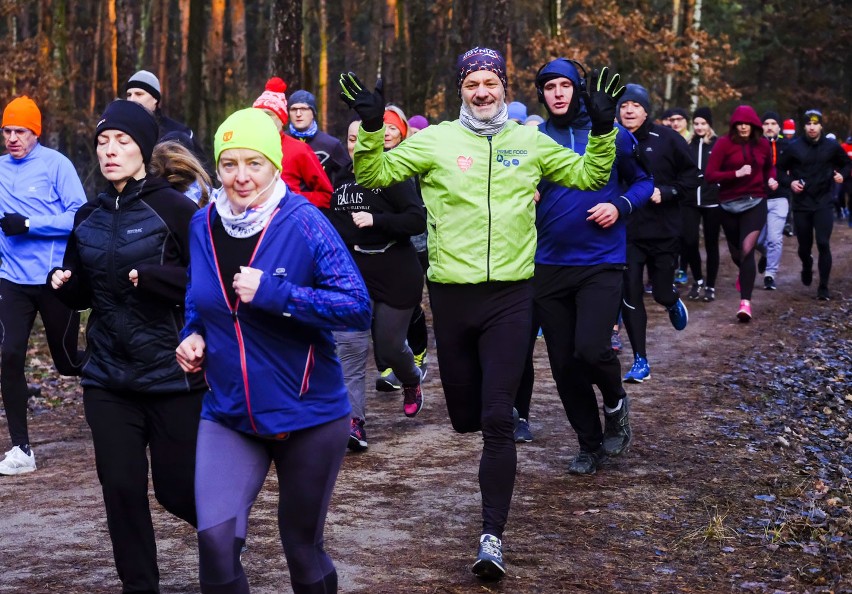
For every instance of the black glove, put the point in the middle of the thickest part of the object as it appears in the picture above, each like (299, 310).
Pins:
(370, 106)
(601, 98)
(14, 224)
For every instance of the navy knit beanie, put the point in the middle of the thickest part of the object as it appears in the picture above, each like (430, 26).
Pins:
(637, 94)
(135, 121)
(302, 96)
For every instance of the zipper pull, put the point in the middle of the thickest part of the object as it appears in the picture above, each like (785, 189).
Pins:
(116, 201)
(234, 315)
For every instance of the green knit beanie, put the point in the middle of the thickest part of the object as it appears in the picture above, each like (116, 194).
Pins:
(249, 129)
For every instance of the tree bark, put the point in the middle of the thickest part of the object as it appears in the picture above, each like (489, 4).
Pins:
(239, 50)
(285, 41)
(214, 61)
(195, 50)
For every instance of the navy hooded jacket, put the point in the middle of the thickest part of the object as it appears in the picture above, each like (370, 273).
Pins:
(565, 237)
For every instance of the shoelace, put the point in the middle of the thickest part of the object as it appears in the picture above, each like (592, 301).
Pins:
(492, 548)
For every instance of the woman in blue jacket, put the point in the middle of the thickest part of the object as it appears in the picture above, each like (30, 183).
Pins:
(270, 279)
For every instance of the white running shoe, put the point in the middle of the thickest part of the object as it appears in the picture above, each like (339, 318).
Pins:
(17, 462)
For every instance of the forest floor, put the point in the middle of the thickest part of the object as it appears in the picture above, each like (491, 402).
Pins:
(738, 479)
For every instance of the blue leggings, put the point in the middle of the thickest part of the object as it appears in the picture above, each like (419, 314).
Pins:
(230, 470)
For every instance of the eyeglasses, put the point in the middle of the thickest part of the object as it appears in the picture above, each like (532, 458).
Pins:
(7, 132)
(300, 109)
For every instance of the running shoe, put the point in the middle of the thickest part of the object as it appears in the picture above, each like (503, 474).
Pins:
(357, 436)
(422, 362)
(586, 462)
(617, 433)
(523, 434)
(639, 372)
(489, 559)
(387, 381)
(709, 294)
(823, 294)
(769, 283)
(744, 312)
(615, 342)
(680, 277)
(678, 315)
(788, 230)
(648, 288)
(17, 462)
(695, 292)
(761, 264)
(412, 400)
(808, 271)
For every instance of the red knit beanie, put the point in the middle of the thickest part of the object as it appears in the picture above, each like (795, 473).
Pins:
(274, 99)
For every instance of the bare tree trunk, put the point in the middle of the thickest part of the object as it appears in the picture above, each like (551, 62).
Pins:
(214, 60)
(695, 81)
(195, 52)
(386, 66)
(239, 51)
(113, 46)
(667, 97)
(162, 42)
(184, 8)
(285, 41)
(127, 27)
(555, 18)
(96, 58)
(322, 82)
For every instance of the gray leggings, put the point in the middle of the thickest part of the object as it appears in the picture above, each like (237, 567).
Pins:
(390, 327)
(230, 470)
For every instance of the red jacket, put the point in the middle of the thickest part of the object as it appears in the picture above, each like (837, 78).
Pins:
(303, 173)
(730, 153)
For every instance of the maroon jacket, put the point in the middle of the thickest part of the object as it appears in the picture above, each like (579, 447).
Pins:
(730, 153)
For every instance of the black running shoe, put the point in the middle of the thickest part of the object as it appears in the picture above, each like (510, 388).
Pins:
(586, 462)
(823, 294)
(761, 264)
(617, 433)
(808, 271)
(769, 283)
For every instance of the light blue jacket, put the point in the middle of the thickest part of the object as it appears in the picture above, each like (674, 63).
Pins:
(45, 188)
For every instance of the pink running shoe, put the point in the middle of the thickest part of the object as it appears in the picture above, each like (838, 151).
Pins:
(744, 313)
(412, 400)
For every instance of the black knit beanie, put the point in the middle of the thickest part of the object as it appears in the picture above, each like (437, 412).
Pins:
(135, 121)
(771, 115)
(704, 112)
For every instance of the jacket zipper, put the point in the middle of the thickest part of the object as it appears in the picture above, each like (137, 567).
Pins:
(488, 256)
(234, 310)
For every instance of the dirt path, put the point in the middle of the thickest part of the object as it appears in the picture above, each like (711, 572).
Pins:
(674, 515)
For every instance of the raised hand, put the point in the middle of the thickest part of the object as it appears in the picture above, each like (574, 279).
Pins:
(602, 95)
(369, 105)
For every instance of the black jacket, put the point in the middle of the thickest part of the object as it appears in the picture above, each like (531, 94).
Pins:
(332, 155)
(777, 146)
(706, 194)
(815, 164)
(132, 331)
(665, 154)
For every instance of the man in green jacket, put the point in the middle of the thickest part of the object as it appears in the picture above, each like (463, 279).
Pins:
(478, 176)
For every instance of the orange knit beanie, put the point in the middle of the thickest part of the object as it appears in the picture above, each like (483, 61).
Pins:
(23, 112)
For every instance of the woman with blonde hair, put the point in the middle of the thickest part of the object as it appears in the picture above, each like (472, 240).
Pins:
(178, 165)
(702, 211)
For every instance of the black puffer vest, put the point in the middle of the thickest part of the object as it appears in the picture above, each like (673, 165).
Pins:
(132, 334)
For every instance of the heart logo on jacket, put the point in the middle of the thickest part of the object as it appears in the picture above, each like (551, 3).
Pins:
(464, 163)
